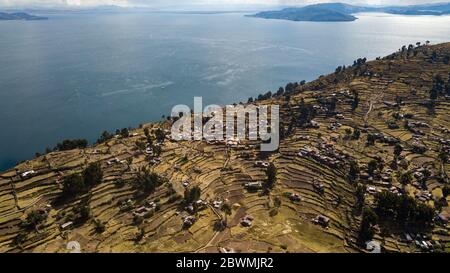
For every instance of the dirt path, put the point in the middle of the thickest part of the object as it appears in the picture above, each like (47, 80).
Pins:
(366, 116)
(208, 244)
(372, 100)
(22, 209)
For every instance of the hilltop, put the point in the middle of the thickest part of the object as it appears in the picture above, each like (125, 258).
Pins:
(339, 12)
(332, 12)
(363, 158)
(20, 16)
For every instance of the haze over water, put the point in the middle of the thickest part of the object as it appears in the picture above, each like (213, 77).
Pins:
(74, 76)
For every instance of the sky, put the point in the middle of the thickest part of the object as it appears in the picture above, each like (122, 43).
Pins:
(160, 3)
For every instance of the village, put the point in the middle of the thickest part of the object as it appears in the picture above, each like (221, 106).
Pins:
(355, 147)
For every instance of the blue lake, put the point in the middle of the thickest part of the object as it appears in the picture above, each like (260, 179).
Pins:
(74, 76)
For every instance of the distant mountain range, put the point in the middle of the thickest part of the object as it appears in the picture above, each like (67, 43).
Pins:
(339, 12)
(20, 16)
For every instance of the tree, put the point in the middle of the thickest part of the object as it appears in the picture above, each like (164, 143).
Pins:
(398, 100)
(160, 136)
(93, 174)
(355, 101)
(73, 185)
(447, 88)
(348, 133)
(105, 136)
(20, 238)
(405, 178)
(332, 105)
(220, 225)
(360, 194)
(371, 139)
(356, 133)
(403, 209)
(438, 87)
(366, 231)
(148, 181)
(372, 166)
(125, 132)
(140, 235)
(192, 195)
(157, 150)
(226, 208)
(70, 144)
(446, 191)
(307, 113)
(277, 202)
(34, 218)
(289, 88)
(137, 220)
(398, 150)
(440, 203)
(443, 155)
(120, 183)
(99, 226)
(271, 173)
(140, 145)
(84, 212)
(280, 91)
(424, 214)
(353, 171)
(386, 203)
(150, 140)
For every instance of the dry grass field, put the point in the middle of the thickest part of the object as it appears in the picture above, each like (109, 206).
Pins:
(395, 108)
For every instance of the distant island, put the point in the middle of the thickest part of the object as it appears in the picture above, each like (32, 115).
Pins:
(339, 12)
(20, 16)
(314, 13)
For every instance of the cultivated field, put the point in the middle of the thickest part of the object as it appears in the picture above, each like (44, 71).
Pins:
(394, 108)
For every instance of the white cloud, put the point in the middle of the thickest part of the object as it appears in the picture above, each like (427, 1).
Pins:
(48, 3)
(150, 3)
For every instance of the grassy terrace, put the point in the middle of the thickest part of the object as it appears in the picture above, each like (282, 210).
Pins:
(279, 224)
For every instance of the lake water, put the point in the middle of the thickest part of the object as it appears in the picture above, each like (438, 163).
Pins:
(74, 76)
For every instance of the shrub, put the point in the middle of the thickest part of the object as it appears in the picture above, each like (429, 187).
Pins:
(446, 191)
(148, 181)
(20, 238)
(84, 212)
(366, 231)
(360, 195)
(73, 185)
(273, 212)
(105, 136)
(403, 209)
(93, 174)
(70, 144)
(271, 173)
(173, 198)
(34, 218)
(99, 226)
(226, 208)
(137, 220)
(120, 183)
(353, 171)
(405, 178)
(192, 195)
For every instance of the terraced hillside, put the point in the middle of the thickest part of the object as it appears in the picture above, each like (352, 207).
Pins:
(354, 143)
